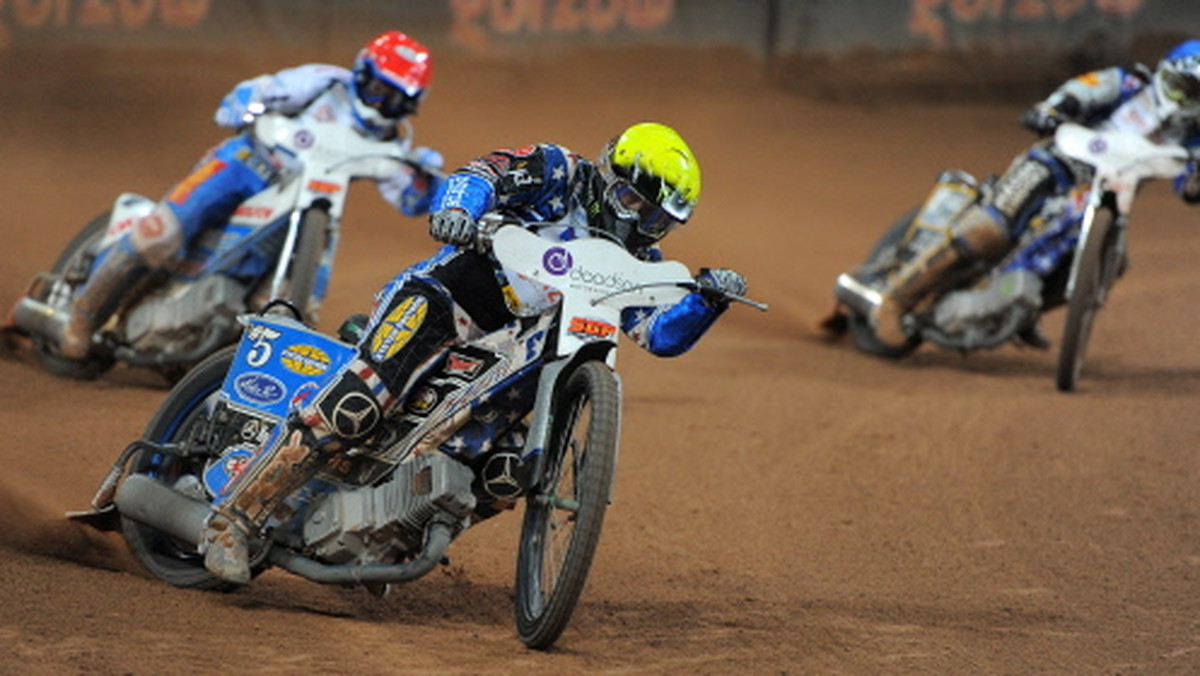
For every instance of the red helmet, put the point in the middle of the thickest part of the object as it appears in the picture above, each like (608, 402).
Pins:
(391, 74)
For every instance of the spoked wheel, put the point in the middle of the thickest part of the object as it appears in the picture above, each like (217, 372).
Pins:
(183, 417)
(563, 516)
(1091, 278)
(71, 269)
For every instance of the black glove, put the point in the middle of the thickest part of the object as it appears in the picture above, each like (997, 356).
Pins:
(452, 226)
(1044, 118)
(1042, 121)
(715, 283)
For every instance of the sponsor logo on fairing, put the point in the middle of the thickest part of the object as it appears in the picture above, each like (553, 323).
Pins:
(307, 360)
(557, 261)
(590, 328)
(613, 280)
(259, 388)
(303, 139)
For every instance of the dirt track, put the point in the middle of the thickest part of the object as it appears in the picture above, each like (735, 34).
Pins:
(784, 505)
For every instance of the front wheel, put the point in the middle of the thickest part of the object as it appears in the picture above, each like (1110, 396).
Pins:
(1091, 280)
(563, 516)
(182, 419)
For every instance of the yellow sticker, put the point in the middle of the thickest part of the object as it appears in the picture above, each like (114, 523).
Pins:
(398, 327)
(307, 360)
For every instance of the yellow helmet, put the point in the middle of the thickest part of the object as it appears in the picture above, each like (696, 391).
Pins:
(652, 178)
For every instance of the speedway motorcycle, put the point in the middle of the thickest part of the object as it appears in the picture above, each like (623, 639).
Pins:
(988, 308)
(280, 243)
(529, 413)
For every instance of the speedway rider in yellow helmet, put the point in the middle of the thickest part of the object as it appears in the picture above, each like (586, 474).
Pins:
(645, 184)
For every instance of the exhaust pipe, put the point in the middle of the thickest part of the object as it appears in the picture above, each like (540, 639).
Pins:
(437, 540)
(856, 295)
(36, 317)
(152, 504)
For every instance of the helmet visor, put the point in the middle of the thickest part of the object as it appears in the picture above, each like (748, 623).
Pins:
(652, 220)
(1182, 88)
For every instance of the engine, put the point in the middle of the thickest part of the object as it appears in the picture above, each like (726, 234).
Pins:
(173, 320)
(377, 524)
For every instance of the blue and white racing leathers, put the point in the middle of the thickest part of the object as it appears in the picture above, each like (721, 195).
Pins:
(458, 294)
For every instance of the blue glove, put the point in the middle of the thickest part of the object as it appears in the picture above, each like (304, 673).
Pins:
(717, 282)
(452, 226)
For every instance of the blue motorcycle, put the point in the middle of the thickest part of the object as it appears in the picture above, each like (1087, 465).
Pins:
(528, 413)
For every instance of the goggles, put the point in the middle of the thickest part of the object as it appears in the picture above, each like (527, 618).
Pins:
(1182, 88)
(652, 220)
(379, 94)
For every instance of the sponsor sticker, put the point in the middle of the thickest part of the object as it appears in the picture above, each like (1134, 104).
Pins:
(422, 401)
(590, 328)
(307, 360)
(398, 327)
(462, 365)
(557, 261)
(260, 388)
(324, 187)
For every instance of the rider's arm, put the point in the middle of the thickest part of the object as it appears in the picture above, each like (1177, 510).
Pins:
(1087, 98)
(671, 330)
(411, 190)
(534, 178)
(287, 92)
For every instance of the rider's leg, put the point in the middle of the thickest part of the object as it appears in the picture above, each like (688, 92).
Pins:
(979, 235)
(223, 179)
(984, 233)
(418, 316)
(154, 240)
(409, 333)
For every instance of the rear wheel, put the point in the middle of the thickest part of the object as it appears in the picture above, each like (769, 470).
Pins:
(564, 515)
(182, 418)
(71, 270)
(1092, 276)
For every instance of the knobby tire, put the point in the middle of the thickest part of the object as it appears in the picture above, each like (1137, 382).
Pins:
(563, 517)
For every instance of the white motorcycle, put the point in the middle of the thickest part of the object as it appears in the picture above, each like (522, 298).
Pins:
(279, 244)
(987, 308)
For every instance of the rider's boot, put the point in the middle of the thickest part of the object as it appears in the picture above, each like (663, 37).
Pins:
(254, 497)
(978, 236)
(121, 269)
